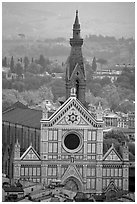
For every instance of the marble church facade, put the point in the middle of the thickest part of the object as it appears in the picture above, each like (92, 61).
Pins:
(71, 140)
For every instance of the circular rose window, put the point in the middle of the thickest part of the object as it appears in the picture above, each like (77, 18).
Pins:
(72, 142)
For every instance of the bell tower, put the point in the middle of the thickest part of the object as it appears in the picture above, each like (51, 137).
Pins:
(75, 72)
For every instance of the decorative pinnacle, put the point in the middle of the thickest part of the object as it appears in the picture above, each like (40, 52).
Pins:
(73, 92)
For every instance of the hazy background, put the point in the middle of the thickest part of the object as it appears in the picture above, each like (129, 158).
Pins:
(50, 20)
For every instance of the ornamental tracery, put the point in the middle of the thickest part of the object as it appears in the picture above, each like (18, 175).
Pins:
(72, 118)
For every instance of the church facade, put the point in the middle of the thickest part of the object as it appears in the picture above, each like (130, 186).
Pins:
(71, 141)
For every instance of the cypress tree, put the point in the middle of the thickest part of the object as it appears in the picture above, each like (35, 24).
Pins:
(94, 65)
(12, 68)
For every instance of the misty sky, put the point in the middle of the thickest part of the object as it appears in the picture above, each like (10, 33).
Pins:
(50, 20)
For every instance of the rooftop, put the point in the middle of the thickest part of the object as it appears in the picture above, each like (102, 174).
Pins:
(23, 116)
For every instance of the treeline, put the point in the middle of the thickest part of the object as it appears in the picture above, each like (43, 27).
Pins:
(111, 39)
(115, 51)
(34, 66)
(118, 96)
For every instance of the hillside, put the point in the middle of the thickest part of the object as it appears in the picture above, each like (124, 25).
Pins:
(115, 51)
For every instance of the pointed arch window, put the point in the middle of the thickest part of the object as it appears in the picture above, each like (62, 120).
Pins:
(77, 88)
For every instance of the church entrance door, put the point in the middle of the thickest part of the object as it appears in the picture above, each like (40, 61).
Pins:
(111, 194)
(72, 184)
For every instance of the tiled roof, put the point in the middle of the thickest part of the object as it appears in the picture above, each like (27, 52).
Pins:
(26, 117)
(13, 189)
(18, 104)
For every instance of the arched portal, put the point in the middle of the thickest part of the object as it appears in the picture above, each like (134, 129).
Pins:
(111, 194)
(72, 184)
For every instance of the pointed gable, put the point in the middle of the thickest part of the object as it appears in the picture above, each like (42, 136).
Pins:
(30, 154)
(72, 172)
(111, 186)
(112, 155)
(80, 114)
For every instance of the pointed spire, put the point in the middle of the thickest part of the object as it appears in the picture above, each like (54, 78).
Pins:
(76, 20)
(99, 106)
(99, 111)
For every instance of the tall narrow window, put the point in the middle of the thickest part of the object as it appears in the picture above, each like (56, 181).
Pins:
(38, 171)
(120, 172)
(93, 183)
(104, 172)
(104, 183)
(89, 135)
(49, 171)
(92, 171)
(89, 148)
(50, 135)
(108, 172)
(54, 171)
(93, 135)
(30, 171)
(50, 147)
(34, 171)
(88, 171)
(93, 148)
(77, 89)
(26, 171)
(55, 135)
(54, 147)
(22, 171)
(88, 183)
(116, 172)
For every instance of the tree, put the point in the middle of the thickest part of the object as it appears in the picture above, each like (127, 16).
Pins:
(45, 93)
(18, 85)
(9, 97)
(26, 63)
(117, 135)
(12, 68)
(101, 62)
(58, 88)
(19, 69)
(111, 94)
(127, 79)
(91, 99)
(4, 62)
(96, 89)
(35, 68)
(105, 81)
(89, 71)
(41, 61)
(94, 65)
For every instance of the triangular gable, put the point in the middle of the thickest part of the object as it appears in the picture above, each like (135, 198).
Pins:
(112, 155)
(72, 117)
(77, 73)
(69, 103)
(82, 121)
(30, 154)
(72, 172)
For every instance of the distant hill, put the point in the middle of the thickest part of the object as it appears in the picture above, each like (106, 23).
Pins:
(115, 51)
